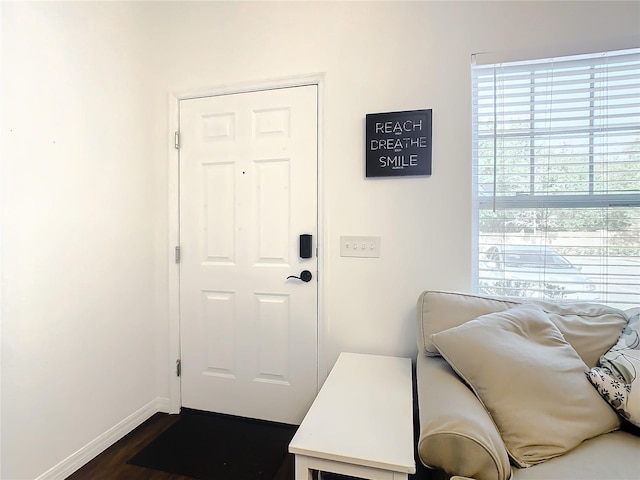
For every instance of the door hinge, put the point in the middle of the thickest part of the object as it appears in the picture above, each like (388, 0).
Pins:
(178, 367)
(178, 254)
(176, 140)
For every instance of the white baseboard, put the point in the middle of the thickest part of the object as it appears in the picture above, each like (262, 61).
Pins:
(92, 449)
(163, 405)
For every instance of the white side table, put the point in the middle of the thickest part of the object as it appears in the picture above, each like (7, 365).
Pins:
(361, 422)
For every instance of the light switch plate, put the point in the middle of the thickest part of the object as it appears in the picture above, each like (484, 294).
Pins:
(360, 246)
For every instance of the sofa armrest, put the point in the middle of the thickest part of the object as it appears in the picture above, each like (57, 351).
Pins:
(457, 434)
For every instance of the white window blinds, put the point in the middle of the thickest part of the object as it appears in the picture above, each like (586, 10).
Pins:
(556, 159)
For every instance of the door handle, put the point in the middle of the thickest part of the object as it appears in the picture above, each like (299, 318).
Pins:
(305, 276)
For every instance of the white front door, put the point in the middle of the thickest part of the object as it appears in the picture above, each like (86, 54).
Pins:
(248, 190)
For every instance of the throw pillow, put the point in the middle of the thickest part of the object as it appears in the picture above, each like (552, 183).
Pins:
(617, 393)
(616, 378)
(530, 380)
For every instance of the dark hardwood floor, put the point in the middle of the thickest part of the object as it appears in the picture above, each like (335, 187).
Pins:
(112, 463)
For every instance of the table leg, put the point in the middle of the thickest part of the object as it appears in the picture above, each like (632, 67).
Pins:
(302, 470)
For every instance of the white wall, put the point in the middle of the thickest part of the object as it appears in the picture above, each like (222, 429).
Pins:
(78, 271)
(378, 57)
(84, 249)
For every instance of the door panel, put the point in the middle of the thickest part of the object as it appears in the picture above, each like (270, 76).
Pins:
(248, 189)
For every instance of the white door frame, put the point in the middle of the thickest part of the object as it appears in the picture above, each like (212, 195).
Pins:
(175, 400)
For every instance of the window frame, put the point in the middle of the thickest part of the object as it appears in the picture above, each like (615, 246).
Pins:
(530, 201)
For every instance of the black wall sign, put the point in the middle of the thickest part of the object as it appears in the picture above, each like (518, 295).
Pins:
(398, 143)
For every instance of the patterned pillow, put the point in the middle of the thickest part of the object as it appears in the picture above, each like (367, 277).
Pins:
(616, 377)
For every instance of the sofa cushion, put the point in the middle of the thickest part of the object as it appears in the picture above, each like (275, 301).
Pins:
(526, 374)
(591, 329)
(438, 311)
(613, 456)
(457, 434)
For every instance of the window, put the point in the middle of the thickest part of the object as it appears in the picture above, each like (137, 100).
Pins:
(556, 178)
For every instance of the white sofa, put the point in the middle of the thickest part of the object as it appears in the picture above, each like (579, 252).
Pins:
(525, 431)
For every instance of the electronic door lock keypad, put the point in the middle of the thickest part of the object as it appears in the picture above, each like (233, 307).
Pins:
(306, 242)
